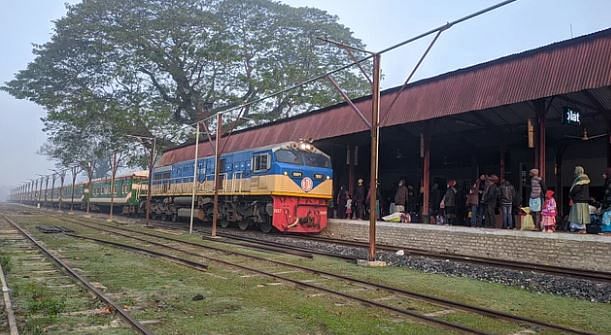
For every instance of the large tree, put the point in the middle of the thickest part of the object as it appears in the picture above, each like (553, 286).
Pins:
(147, 67)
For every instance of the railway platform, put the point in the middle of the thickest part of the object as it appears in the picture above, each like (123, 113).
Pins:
(579, 251)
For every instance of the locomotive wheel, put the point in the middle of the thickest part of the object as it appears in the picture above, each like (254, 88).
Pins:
(226, 224)
(266, 226)
(243, 224)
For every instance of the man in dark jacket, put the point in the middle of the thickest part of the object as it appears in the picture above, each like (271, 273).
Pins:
(537, 190)
(359, 198)
(481, 208)
(342, 199)
(401, 197)
(490, 200)
(449, 202)
(507, 194)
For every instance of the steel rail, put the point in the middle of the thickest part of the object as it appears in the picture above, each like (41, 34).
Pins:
(179, 260)
(284, 246)
(293, 252)
(404, 292)
(10, 315)
(550, 269)
(270, 248)
(135, 324)
(415, 315)
(556, 270)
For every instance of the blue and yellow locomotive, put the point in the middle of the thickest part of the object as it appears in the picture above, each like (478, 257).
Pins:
(284, 187)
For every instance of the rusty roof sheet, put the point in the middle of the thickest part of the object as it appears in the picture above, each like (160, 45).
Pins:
(564, 67)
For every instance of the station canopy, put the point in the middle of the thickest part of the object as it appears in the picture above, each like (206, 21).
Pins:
(576, 70)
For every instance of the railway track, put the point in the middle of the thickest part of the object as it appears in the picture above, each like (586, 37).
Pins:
(398, 294)
(556, 270)
(520, 266)
(49, 273)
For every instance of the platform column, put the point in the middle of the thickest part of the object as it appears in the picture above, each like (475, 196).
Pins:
(425, 154)
(373, 177)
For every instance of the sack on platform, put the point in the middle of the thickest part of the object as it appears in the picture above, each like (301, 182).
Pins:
(528, 223)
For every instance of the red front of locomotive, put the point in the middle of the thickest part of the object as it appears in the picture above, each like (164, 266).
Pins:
(299, 214)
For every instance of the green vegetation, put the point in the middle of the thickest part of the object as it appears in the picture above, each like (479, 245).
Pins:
(5, 262)
(238, 302)
(163, 64)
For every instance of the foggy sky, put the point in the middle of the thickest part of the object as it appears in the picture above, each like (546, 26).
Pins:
(520, 26)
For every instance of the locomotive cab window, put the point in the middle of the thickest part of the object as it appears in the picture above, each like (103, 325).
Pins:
(261, 162)
(289, 156)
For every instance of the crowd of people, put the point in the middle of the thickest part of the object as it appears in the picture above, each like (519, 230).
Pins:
(488, 198)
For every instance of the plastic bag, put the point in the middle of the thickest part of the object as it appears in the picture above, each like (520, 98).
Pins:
(394, 217)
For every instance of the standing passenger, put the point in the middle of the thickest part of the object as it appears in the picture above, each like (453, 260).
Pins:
(449, 202)
(401, 197)
(549, 212)
(434, 200)
(473, 202)
(359, 198)
(481, 209)
(491, 197)
(536, 193)
(606, 203)
(342, 198)
(507, 193)
(348, 207)
(579, 216)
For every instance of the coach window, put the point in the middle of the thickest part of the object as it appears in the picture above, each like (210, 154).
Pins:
(261, 162)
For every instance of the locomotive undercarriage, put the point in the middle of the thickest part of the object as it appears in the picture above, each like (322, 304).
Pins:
(233, 210)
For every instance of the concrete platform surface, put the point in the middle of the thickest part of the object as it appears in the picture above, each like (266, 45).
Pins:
(580, 251)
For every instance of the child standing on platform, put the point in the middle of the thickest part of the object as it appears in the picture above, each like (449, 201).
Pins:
(548, 212)
(349, 207)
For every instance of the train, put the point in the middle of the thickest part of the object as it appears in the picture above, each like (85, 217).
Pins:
(284, 187)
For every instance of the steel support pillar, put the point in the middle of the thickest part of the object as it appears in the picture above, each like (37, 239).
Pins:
(375, 130)
(217, 171)
(194, 185)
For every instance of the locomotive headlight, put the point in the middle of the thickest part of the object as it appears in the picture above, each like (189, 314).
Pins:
(286, 173)
(328, 177)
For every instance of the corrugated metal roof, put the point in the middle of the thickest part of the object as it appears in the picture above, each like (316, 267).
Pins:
(569, 66)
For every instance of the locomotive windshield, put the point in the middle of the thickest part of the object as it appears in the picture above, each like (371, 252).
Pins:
(298, 157)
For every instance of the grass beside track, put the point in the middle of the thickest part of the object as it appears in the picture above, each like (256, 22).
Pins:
(163, 291)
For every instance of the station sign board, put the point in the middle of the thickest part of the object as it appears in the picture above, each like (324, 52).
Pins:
(571, 116)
